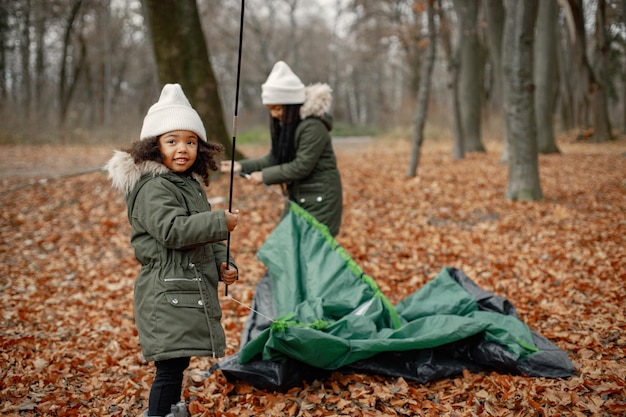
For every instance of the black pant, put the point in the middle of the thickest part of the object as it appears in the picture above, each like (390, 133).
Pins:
(167, 385)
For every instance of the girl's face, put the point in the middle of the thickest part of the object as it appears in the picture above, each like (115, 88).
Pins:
(276, 110)
(179, 149)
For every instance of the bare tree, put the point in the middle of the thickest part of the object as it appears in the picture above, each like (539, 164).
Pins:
(624, 74)
(4, 37)
(545, 75)
(423, 91)
(495, 16)
(602, 125)
(567, 85)
(517, 58)
(182, 56)
(452, 56)
(69, 75)
(293, 50)
(471, 78)
(25, 45)
(104, 21)
(590, 96)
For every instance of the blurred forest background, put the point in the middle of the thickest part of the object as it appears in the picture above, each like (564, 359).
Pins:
(82, 71)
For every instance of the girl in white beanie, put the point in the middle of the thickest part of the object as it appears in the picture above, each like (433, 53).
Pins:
(301, 157)
(179, 242)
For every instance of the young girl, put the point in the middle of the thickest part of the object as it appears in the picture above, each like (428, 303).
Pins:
(302, 156)
(178, 240)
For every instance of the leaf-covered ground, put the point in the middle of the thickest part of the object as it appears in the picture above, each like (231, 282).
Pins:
(69, 344)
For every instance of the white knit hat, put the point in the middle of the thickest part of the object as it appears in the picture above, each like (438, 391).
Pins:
(171, 112)
(282, 86)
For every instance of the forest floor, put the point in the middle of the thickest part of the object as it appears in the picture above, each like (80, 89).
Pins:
(68, 343)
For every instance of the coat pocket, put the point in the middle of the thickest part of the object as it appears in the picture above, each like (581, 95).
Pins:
(310, 194)
(184, 299)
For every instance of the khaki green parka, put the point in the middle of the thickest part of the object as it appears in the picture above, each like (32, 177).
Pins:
(312, 178)
(178, 241)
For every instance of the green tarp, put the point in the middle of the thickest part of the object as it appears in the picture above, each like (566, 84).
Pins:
(331, 314)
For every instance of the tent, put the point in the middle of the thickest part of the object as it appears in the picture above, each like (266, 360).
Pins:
(315, 311)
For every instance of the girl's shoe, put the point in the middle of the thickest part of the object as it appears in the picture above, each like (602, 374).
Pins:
(178, 410)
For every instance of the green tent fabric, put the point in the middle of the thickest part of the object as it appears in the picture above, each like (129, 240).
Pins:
(331, 314)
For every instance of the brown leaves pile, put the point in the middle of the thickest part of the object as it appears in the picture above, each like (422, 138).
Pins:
(69, 345)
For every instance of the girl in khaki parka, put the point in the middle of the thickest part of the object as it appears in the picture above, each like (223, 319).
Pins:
(302, 156)
(178, 241)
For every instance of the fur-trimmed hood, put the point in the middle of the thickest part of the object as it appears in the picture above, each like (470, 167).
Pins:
(125, 174)
(318, 99)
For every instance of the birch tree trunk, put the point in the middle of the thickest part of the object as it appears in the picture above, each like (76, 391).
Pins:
(545, 75)
(182, 56)
(423, 91)
(517, 57)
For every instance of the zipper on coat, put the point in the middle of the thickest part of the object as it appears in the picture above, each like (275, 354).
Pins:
(181, 279)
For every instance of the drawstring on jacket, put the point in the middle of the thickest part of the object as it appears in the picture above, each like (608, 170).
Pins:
(206, 312)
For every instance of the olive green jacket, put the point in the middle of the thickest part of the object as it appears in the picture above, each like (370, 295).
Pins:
(312, 177)
(178, 241)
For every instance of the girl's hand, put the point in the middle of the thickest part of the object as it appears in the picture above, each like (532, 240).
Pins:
(232, 218)
(257, 177)
(226, 167)
(228, 273)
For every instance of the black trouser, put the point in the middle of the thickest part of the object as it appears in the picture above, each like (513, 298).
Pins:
(167, 385)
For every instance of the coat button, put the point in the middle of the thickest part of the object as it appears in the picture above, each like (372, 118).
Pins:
(192, 266)
(302, 200)
(319, 198)
(174, 300)
(200, 302)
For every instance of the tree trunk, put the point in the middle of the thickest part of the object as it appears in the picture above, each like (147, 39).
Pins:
(106, 85)
(458, 151)
(40, 49)
(602, 125)
(67, 83)
(182, 56)
(545, 75)
(591, 92)
(517, 58)
(4, 36)
(624, 74)
(566, 75)
(495, 15)
(423, 92)
(25, 44)
(292, 50)
(470, 75)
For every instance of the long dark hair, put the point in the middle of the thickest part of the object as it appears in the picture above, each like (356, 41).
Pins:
(283, 133)
(148, 150)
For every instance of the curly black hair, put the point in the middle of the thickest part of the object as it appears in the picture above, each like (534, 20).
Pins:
(148, 150)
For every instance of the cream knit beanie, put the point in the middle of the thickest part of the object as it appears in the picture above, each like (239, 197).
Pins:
(282, 86)
(171, 112)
